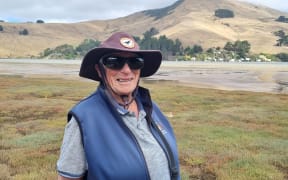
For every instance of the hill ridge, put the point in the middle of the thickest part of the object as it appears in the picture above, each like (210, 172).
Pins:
(191, 21)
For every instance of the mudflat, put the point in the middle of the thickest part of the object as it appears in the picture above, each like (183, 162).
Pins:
(250, 76)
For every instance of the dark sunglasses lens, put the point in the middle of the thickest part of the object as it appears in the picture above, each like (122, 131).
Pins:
(113, 62)
(136, 63)
(117, 63)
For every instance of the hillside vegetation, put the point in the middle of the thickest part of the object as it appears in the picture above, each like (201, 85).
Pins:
(191, 21)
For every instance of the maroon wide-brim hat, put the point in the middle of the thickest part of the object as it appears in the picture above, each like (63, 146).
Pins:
(119, 42)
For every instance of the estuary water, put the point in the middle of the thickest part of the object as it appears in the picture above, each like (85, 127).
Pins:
(269, 77)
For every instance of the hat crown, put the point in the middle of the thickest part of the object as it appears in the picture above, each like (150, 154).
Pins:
(121, 41)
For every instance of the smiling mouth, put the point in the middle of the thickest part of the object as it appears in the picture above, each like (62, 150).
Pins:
(125, 80)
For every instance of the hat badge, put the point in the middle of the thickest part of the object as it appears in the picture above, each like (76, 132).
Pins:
(127, 42)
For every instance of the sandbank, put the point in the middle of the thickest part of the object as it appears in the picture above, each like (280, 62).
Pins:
(256, 77)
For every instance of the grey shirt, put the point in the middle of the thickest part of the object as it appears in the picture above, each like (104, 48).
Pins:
(72, 162)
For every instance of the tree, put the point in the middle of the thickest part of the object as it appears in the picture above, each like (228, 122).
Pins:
(137, 39)
(65, 50)
(197, 49)
(39, 21)
(177, 47)
(47, 52)
(283, 38)
(240, 48)
(166, 45)
(282, 19)
(187, 50)
(279, 33)
(210, 51)
(229, 46)
(283, 57)
(282, 41)
(24, 32)
(224, 13)
(86, 45)
(148, 34)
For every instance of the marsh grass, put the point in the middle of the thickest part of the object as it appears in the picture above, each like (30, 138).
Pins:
(220, 134)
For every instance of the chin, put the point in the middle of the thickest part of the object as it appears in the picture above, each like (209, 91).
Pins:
(125, 92)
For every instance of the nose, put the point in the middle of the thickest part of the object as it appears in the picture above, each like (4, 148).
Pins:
(126, 68)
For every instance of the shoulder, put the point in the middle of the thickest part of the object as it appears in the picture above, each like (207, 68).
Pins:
(94, 100)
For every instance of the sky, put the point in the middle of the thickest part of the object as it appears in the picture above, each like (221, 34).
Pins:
(68, 11)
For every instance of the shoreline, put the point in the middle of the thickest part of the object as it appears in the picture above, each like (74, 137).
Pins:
(255, 77)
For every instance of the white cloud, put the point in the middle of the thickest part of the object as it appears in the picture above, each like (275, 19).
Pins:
(74, 10)
(275, 4)
(81, 10)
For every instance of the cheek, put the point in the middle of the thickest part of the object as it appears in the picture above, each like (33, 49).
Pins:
(136, 73)
(110, 75)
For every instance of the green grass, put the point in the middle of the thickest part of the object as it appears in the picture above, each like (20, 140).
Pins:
(220, 134)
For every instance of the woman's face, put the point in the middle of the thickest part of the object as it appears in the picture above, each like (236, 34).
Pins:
(125, 80)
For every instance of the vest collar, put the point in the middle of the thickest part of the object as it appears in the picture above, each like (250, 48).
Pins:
(141, 93)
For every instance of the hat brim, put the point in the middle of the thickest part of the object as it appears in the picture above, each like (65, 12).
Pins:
(152, 61)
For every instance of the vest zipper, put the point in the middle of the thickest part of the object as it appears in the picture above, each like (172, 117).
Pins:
(116, 113)
(171, 164)
(138, 147)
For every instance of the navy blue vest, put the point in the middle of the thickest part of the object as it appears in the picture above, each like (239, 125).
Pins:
(111, 150)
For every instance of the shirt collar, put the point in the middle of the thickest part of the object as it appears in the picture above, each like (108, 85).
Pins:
(124, 111)
(120, 109)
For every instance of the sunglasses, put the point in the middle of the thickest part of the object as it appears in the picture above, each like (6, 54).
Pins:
(117, 62)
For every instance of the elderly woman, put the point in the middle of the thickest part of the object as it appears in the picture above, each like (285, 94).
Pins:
(118, 132)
